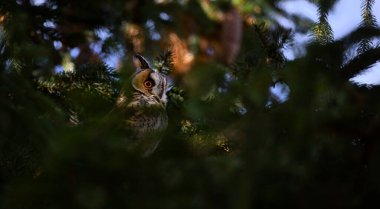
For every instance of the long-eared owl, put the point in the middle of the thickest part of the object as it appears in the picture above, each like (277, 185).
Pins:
(145, 108)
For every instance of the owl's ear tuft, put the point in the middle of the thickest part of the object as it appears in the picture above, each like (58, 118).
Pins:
(140, 62)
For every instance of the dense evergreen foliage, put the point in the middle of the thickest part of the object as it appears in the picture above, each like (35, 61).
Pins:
(231, 141)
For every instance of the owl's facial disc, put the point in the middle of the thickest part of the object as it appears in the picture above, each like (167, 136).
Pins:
(139, 80)
(159, 82)
(151, 83)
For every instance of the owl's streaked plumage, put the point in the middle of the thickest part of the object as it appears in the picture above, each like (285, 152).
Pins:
(145, 111)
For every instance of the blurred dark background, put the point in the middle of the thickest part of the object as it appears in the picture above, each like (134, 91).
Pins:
(247, 127)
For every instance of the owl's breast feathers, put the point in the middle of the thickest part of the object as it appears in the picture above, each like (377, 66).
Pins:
(146, 116)
(146, 119)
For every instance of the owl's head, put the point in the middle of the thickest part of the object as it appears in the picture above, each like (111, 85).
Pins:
(149, 82)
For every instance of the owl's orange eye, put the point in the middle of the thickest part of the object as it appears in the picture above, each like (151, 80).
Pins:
(148, 84)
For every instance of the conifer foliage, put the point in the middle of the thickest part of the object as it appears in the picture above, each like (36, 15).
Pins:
(232, 141)
(368, 21)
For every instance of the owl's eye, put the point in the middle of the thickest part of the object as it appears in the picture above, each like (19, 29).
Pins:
(148, 84)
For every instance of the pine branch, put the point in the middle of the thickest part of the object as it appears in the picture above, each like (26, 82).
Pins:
(97, 78)
(361, 62)
(322, 30)
(273, 42)
(368, 21)
(164, 63)
(359, 34)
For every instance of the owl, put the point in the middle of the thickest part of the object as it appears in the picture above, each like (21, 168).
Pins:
(145, 108)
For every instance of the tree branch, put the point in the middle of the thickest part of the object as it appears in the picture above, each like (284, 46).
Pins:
(361, 62)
